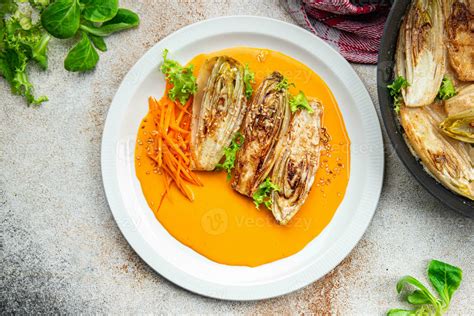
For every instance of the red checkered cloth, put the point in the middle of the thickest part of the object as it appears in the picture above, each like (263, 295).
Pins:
(354, 30)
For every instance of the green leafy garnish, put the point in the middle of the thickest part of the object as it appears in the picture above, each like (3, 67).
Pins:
(249, 78)
(395, 90)
(262, 195)
(99, 10)
(230, 154)
(445, 279)
(98, 42)
(300, 102)
(21, 42)
(95, 18)
(124, 20)
(81, 57)
(62, 18)
(7, 7)
(446, 90)
(40, 4)
(182, 79)
(284, 84)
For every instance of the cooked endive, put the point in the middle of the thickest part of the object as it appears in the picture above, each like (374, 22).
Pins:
(460, 121)
(459, 27)
(420, 56)
(463, 101)
(447, 159)
(297, 163)
(460, 126)
(219, 107)
(266, 122)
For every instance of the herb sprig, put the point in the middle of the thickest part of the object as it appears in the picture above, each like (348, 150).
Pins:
(300, 102)
(444, 277)
(284, 84)
(263, 193)
(395, 89)
(249, 78)
(230, 154)
(446, 90)
(182, 79)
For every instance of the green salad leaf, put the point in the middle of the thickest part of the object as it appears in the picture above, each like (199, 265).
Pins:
(98, 42)
(124, 20)
(444, 277)
(21, 42)
(99, 10)
(40, 49)
(300, 102)
(62, 18)
(40, 4)
(7, 7)
(395, 90)
(263, 194)
(82, 57)
(447, 89)
(284, 84)
(182, 79)
(249, 78)
(230, 153)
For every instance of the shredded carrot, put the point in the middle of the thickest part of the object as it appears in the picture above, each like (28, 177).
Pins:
(170, 150)
(179, 129)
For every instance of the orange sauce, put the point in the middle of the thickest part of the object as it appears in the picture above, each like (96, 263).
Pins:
(225, 226)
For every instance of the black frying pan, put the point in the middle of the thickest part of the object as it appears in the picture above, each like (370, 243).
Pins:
(394, 131)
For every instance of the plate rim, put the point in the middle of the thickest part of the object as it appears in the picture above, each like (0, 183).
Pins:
(241, 292)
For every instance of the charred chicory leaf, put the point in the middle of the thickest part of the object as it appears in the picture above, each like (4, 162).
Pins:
(297, 162)
(182, 79)
(449, 162)
(62, 18)
(420, 55)
(460, 126)
(99, 10)
(219, 105)
(264, 126)
(460, 41)
(81, 57)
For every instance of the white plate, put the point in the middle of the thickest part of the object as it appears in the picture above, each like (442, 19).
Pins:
(182, 265)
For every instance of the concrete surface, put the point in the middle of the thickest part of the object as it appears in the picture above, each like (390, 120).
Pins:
(62, 251)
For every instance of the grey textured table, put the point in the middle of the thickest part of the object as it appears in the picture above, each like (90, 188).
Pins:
(62, 251)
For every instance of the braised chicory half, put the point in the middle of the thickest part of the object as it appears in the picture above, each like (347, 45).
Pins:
(435, 102)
